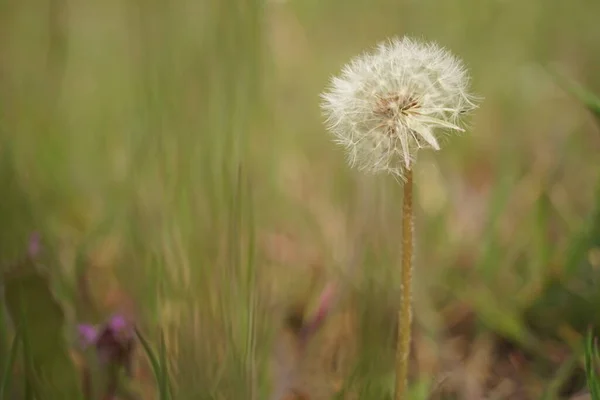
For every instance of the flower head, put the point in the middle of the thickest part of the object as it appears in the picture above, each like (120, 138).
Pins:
(391, 102)
(34, 245)
(113, 341)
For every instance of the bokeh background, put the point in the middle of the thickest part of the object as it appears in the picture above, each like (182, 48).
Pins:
(173, 157)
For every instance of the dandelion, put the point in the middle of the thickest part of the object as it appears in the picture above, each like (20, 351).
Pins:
(388, 104)
(384, 107)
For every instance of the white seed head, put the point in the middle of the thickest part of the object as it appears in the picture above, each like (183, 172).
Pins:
(391, 102)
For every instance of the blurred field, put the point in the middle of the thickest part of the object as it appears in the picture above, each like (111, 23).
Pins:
(173, 156)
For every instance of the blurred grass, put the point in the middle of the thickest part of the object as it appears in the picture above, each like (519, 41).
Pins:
(592, 357)
(40, 321)
(161, 146)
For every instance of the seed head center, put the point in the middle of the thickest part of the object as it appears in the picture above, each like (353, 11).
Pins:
(391, 108)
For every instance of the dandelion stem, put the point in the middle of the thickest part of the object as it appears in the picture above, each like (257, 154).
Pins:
(405, 310)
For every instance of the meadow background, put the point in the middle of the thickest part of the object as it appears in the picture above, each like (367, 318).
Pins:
(173, 157)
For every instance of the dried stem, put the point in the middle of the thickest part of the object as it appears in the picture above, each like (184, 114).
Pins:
(405, 310)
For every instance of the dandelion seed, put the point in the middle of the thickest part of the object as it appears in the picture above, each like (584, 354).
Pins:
(388, 104)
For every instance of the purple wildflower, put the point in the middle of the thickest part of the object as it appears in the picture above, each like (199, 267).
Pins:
(87, 335)
(114, 341)
(34, 245)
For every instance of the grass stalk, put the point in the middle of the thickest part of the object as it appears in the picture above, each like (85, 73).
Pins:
(405, 310)
(5, 384)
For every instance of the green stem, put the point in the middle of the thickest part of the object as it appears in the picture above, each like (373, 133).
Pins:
(405, 310)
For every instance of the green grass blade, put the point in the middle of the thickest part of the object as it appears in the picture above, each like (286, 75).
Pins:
(28, 376)
(563, 374)
(4, 350)
(5, 384)
(584, 239)
(592, 359)
(163, 383)
(154, 362)
(589, 99)
(490, 257)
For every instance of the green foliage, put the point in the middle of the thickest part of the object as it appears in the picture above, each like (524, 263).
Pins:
(39, 318)
(7, 373)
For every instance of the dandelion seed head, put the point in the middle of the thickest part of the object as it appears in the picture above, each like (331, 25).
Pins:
(389, 103)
